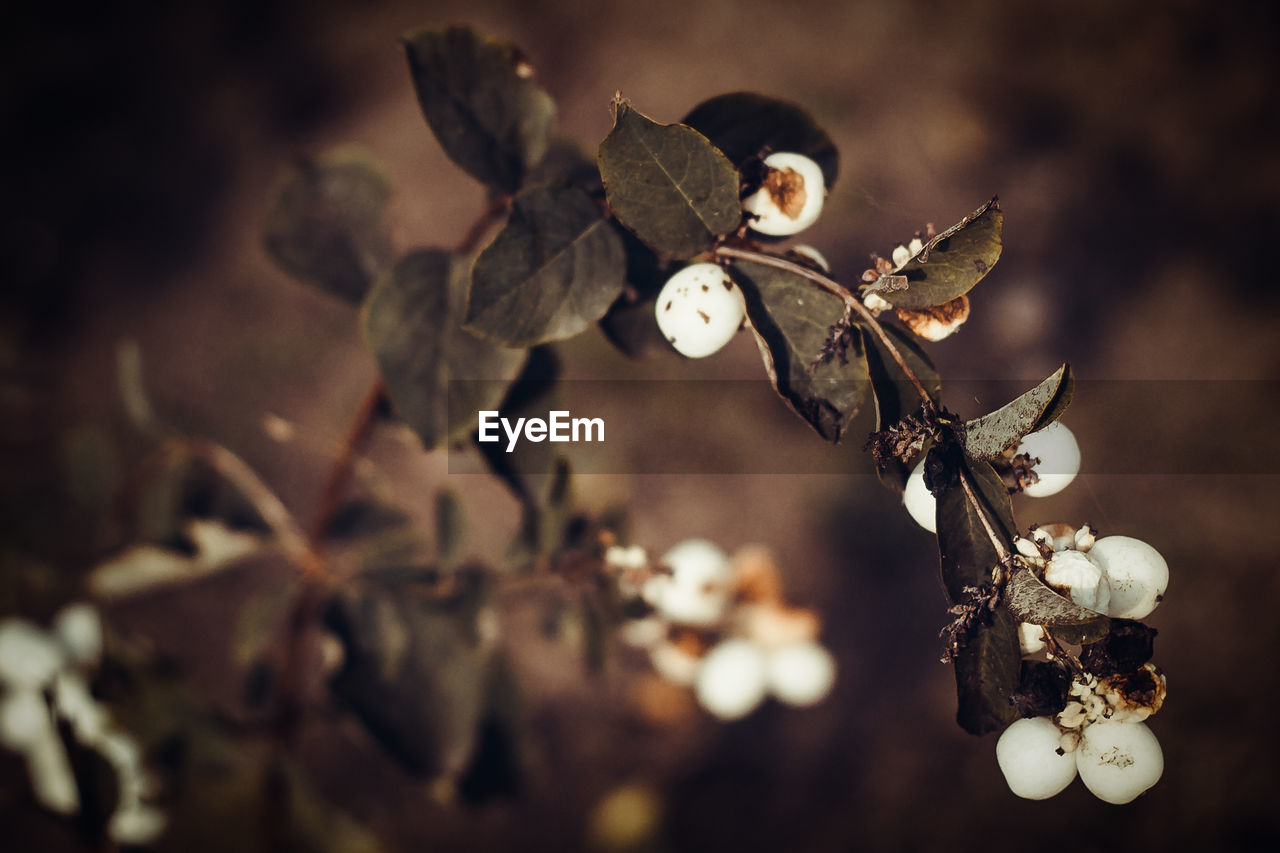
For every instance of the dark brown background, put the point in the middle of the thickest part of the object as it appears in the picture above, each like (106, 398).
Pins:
(1133, 149)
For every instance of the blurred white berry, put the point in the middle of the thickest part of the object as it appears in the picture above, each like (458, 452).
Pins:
(697, 591)
(74, 703)
(1029, 756)
(1138, 575)
(1079, 578)
(790, 197)
(24, 718)
(801, 673)
(136, 824)
(1118, 761)
(1059, 454)
(79, 627)
(700, 309)
(732, 680)
(674, 663)
(29, 657)
(919, 501)
(1030, 638)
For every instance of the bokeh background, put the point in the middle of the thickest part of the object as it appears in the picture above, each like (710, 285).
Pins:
(1133, 147)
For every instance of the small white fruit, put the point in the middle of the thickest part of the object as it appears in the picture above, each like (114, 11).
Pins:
(801, 673)
(700, 309)
(1030, 638)
(1138, 575)
(79, 627)
(697, 590)
(24, 718)
(1059, 454)
(1079, 578)
(1029, 757)
(1118, 761)
(732, 680)
(919, 501)
(29, 657)
(790, 198)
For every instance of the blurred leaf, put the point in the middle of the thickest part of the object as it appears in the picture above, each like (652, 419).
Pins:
(532, 394)
(259, 622)
(552, 271)
(668, 184)
(566, 164)
(451, 526)
(987, 667)
(497, 767)
(792, 320)
(326, 224)
(480, 99)
(133, 389)
(185, 486)
(411, 321)
(415, 672)
(363, 517)
(745, 125)
(987, 437)
(987, 676)
(92, 464)
(147, 568)
(953, 262)
(1030, 600)
(545, 516)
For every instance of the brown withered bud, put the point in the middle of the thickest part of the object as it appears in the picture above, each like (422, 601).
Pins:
(1042, 689)
(1129, 645)
(938, 321)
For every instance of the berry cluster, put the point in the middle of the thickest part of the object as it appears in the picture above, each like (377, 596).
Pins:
(44, 680)
(721, 626)
(1099, 732)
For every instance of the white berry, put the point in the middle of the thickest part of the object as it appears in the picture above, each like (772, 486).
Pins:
(1059, 454)
(697, 590)
(801, 673)
(700, 309)
(790, 197)
(1030, 638)
(1137, 573)
(79, 627)
(919, 501)
(1029, 756)
(732, 680)
(1118, 761)
(29, 657)
(1079, 578)
(24, 718)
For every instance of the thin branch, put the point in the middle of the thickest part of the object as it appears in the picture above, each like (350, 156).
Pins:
(851, 302)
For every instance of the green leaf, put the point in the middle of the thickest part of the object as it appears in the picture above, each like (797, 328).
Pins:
(792, 320)
(895, 396)
(532, 394)
(668, 184)
(967, 555)
(414, 672)
(953, 262)
(629, 324)
(411, 321)
(1030, 600)
(987, 668)
(987, 671)
(987, 437)
(745, 125)
(325, 226)
(480, 99)
(451, 526)
(553, 270)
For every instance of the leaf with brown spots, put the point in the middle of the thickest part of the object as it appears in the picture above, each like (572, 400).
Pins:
(951, 263)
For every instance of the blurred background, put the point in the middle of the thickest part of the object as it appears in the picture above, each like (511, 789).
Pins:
(1133, 148)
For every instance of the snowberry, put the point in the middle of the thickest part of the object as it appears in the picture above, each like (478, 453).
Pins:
(24, 718)
(697, 590)
(700, 309)
(1030, 638)
(1030, 758)
(790, 197)
(801, 673)
(919, 501)
(1079, 578)
(1118, 761)
(1059, 454)
(1138, 575)
(732, 680)
(79, 627)
(28, 656)
(674, 663)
